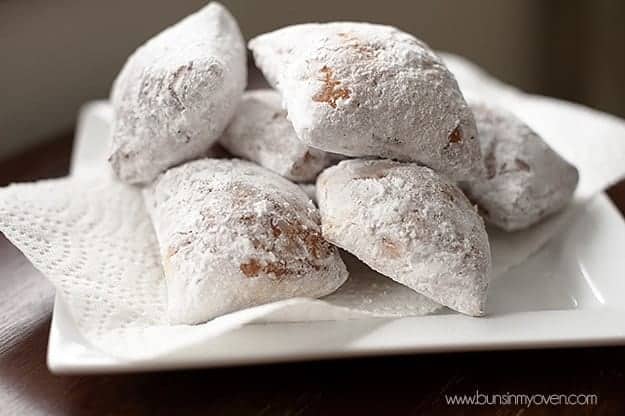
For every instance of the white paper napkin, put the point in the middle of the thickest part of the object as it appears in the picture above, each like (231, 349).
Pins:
(91, 236)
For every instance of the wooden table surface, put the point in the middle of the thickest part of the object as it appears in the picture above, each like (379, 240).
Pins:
(390, 385)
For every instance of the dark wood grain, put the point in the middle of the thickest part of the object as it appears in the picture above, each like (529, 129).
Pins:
(390, 385)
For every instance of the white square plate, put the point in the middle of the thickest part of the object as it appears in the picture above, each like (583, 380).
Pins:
(572, 293)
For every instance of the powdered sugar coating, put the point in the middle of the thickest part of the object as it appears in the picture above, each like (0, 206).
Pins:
(410, 224)
(525, 179)
(260, 132)
(360, 89)
(176, 93)
(310, 189)
(233, 235)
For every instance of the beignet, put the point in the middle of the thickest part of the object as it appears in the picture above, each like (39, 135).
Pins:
(234, 235)
(360, 89)
(176, 93)
(261, 132)
(525, 179)
(410, 224)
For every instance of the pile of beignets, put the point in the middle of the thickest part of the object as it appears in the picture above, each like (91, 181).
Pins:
(366, 117)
